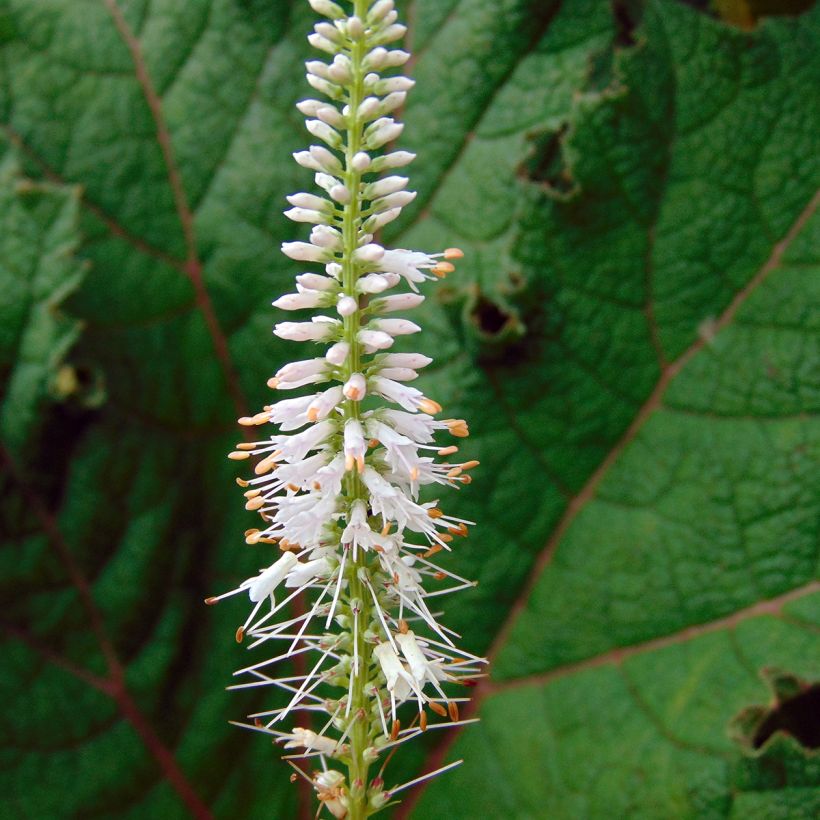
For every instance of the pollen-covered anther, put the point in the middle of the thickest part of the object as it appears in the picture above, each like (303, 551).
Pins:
(423, 721)
(435, 512)
(240, 634)
(395, 729)
(461, 530)
(429, 406)
(404, 627)
(442, 269)
(456, 471)
(452, 709)
(453, 253)
(266, 465)
(432, 551)
(255, 503)
(445, 537)
(448, 451)
(252, 536)
(458, 427)
(469, 465)
(247, 446)
(439, 576)
(241, 482)
(437, 708)
(238, 455)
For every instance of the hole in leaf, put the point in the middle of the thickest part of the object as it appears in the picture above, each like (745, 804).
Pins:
(627, 17)
(798, 716)
(489, 318)
(545, 164)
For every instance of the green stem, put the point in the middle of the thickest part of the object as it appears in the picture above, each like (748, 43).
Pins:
(359, 713)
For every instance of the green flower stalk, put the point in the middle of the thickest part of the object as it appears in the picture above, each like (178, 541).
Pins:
(341, 497)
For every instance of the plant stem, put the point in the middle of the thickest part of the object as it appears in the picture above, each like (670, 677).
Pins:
(359, 735)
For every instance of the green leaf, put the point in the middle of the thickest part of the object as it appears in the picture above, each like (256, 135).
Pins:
(37, 273)
(633, 337)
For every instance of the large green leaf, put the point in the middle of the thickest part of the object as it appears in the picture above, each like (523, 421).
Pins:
(634, 339)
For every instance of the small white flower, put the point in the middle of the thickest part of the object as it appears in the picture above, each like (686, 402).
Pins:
(355, 446)
(319, 329)
(307, 739)
(265, 584)
(355, 387)
(337, 354)
(305, 252)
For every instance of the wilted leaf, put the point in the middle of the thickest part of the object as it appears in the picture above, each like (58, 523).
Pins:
(635, 343)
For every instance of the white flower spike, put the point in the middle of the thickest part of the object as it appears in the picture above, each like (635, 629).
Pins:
(339, 483)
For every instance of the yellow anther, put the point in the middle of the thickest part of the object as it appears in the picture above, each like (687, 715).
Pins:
(238, 455)
(454, 253)
(429, 406)
(255, 503)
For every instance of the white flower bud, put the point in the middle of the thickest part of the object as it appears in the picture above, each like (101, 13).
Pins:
(323, 44)
(315, 281)
(391, 33)
(330, 115)
(305, 331)
(329, 32)
(396, 58)
(369, 253)
(379, 9)
(299, 301)
(328, 8)
(360, 162)
(346, 306)
(397, 200)
(397, 301)
(378, 221)
(340, 194)
(333, 269)
(374, 340)
(325, 181)
(392, 85)
(304, 252)
(326, 237)
(383, 187)
(395, 327)
(369, 108)
(306, 160)
(306, 215)
(397, 159)
(325, 133)
(309, 107)
(382, 131)
(393, 101)
(413, 360)
(337, 354)
(375, 59)
(339, 69)
(317, 68)
(311, 202)
(373, 283)
(324, 86)
(355, 28)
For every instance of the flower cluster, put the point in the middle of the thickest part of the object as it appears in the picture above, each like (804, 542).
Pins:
(338, 487)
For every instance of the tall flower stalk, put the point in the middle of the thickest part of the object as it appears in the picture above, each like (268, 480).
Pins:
(340, 498)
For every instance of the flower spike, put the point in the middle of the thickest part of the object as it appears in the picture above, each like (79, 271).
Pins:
(339, 483)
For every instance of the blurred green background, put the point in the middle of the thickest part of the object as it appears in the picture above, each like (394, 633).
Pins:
(634, 336)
